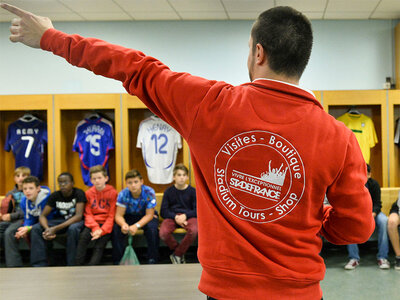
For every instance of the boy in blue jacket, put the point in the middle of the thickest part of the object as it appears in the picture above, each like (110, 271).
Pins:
(32, 203)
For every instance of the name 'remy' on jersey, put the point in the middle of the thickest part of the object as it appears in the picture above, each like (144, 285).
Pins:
(93, 141)
(159, 143)
(26, 139)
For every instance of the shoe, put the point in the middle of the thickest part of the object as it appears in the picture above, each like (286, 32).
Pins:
(352, 264)
(397, 264)
(151, 261)
(183, 260)
(175, 259)
(383, 263)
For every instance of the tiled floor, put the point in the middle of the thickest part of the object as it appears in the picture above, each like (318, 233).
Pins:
(366, 282)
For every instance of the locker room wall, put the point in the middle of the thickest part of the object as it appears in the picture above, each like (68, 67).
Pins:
(353, 54)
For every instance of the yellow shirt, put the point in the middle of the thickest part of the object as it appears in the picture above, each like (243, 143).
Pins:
(364, 130)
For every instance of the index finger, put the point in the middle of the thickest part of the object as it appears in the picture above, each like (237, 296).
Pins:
(14, 10)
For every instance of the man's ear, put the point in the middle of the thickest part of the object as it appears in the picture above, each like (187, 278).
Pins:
(260, 54)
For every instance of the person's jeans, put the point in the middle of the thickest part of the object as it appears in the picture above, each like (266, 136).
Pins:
(120, 240)
(98, 247)
(39, 244)
(381, 221)
(11, 244)
(167, 228)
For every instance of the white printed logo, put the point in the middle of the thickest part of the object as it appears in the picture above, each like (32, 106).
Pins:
(259, 176)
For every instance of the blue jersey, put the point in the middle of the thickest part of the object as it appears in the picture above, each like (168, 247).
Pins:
(93, 140)
(137, 206)
(26, 139)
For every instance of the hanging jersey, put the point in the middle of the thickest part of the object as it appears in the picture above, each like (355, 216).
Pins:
(26, 139)
(93, 141)
(364, 130)
(159, 143)
(397, 134)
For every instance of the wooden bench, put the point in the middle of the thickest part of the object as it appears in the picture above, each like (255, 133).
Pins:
(388, 197)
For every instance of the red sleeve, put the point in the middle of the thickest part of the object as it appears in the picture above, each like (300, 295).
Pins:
(349, 218)
(90, 222)
(109, 223)
(174, 97)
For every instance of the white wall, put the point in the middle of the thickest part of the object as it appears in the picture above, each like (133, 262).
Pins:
(346, 55)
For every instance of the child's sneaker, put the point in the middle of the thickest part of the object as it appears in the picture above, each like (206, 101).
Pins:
(175, 259)
(383, 263)
(397, 264)
(352, 264)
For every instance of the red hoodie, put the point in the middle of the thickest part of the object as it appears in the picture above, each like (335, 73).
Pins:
(100, 208)
(264, 155)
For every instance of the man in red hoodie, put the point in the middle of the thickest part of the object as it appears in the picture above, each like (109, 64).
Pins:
(99, 216)
(264, 155)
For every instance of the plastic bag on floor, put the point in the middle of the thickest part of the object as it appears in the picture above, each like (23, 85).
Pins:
(129, 257)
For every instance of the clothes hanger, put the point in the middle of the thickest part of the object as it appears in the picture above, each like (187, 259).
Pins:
(353, 110)
(93, 115)
(28, 117)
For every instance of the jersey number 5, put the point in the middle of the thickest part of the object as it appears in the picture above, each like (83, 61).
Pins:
(94, 143)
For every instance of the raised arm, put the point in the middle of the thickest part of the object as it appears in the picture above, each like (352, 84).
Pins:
(174, 97)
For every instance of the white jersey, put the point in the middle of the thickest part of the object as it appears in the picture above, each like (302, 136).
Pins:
(159, 143)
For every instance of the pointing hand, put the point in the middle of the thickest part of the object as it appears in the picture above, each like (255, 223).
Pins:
(27, 28)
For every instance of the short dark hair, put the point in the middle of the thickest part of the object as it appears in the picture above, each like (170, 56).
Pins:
(181, 167)
(67, 174)
(286, 36)
(132, 174)
(31, 179)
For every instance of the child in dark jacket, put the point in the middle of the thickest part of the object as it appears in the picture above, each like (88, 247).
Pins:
(178, 208)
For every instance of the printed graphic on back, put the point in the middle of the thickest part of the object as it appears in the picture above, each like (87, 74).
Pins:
(259, 176)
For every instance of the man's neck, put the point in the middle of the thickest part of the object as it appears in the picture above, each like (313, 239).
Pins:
(267, 73)
(181, 186)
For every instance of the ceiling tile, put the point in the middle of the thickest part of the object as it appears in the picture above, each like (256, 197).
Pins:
(147, 5)
(248, 6)
(249, 15)
(346, 15)
(196, 5)
(39, 7)
(155, 15)
(388, 6)
(72, 10)
(386, 15)
(110, 16)
(314, 15)
(353, 5)
(91, 6)
(198, 15)
(65, 17)
(301, 5)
